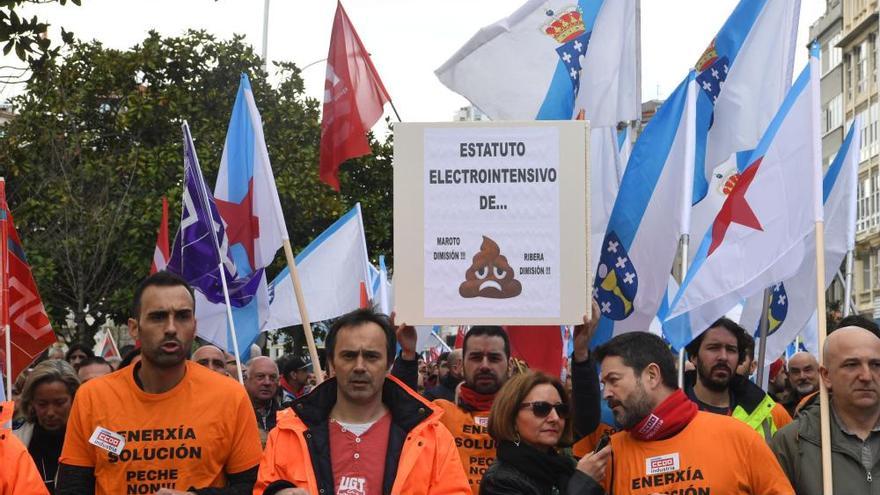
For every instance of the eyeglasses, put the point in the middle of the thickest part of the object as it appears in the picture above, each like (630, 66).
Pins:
(541, 409)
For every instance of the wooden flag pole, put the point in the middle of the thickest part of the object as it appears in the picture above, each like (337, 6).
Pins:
(825, 422)
(303, 312)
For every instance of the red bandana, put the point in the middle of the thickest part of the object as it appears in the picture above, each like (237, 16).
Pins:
(475, 400)
(667, 419)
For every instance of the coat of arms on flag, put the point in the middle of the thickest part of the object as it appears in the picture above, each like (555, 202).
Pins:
(777, 309)
(616, 280)
(567, 27)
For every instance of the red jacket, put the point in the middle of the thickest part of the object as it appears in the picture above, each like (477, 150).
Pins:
(427, 460)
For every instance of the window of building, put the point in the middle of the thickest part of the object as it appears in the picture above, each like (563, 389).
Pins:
(831, 56)
(847, 68)
(833, 114)
(861, 55)
(864, 135)
(865, 261)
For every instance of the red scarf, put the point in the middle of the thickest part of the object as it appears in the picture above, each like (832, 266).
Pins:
(289, 388)
(667, 419)
(475, 400)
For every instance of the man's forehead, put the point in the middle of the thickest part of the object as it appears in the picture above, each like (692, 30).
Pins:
(209, 352)
(263, 366)
(614, 364)
(485, 344)
(368, 335)
(717, 335)
(160, 298)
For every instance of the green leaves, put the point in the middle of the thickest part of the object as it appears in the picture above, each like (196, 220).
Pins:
(96, 143)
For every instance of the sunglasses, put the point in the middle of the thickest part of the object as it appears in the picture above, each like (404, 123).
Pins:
(541, 409)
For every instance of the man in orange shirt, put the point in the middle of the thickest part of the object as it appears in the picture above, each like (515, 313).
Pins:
(165, 425)
(667, 445)
(716, 387)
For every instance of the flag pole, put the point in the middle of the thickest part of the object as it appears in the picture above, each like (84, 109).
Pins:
(303, 312)
(4, 283)
(764, 327)
(825, 430)
(687, 184)
(266, 37)
(204, 198)
(847, 285)
(685, 241)
(818, 207)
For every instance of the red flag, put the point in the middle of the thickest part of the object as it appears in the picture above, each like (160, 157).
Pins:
(539, 346)
(161, 253)
(365, 299)
(459, 337)
(353, 99)
(108, 347)
(23, 311)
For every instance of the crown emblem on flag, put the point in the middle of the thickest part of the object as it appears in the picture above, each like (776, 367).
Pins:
(565, 25)
(708, 58)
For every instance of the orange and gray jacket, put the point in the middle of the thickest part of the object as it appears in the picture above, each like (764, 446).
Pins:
(421, 458)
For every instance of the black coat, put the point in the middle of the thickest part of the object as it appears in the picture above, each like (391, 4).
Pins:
(505, 477)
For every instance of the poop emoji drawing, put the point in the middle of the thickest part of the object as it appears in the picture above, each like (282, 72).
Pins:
(490, 275)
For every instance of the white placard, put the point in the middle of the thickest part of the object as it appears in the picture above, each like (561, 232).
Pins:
(491, 223)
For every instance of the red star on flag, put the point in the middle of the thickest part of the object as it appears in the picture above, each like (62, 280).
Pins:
(736, 209)
(242, 227)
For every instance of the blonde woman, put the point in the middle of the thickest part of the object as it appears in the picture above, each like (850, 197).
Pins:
(45, 405)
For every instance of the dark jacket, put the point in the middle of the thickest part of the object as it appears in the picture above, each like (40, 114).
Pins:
(797, 447)
(444, 390)
(507, 476)
(748, 403)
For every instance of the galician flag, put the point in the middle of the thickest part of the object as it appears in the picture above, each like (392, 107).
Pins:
(743, 76)
(199, 247)
(552, 60)
(331, 269)
(758, 237)
(247, 200)
(793, 304)
(649, 216)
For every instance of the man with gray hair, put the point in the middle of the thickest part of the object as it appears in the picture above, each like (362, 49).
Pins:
(851, 372)
(803, 373)
(445, 389)
(262, 388)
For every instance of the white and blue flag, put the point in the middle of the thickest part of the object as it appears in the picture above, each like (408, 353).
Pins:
(742, 77)
(793, 300)
(552, 60)
(649, 216)
(758, 236)
(331, 269)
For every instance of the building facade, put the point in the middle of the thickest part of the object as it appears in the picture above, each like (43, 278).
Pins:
(857, 61)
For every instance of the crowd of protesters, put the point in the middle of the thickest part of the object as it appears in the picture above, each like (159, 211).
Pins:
(170, 420)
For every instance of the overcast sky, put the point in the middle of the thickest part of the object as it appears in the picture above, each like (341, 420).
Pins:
(408, 39)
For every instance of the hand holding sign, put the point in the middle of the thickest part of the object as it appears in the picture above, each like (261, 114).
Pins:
(407, 338)
(583, 334)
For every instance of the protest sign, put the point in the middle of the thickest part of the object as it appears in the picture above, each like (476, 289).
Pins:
(490, 223)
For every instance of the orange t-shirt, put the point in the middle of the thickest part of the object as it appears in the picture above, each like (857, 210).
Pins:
(190, 436)
(475, 447)
(713, 454)
(780, 416)
(586, 444)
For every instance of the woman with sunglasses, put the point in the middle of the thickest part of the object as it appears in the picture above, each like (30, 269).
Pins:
(530, 421)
